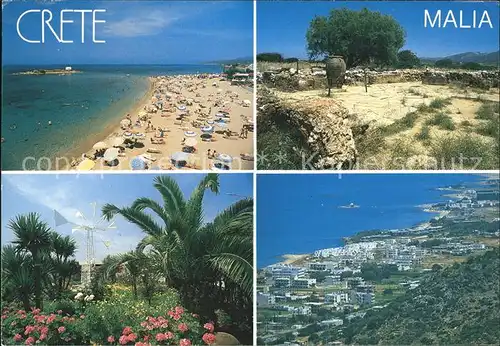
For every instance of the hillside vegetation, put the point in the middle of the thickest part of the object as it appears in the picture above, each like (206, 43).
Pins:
(456, 305)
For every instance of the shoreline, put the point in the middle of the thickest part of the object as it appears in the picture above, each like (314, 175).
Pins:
(204, 97)
(85, 147)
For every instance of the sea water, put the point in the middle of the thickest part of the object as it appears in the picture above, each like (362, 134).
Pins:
(299, 214)
(79, 106)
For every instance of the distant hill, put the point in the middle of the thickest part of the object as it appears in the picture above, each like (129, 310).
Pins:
(492, 58)
(455, 305)
(244, 60)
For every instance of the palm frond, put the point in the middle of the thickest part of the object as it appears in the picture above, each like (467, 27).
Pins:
(171, 193)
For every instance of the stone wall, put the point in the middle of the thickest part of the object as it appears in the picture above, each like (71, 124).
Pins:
(323, 123)
(289, 79)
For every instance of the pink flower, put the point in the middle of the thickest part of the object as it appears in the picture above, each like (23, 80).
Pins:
(183, 327)
(59, 312)
(123, 340)
(160, 337)
(4, 317)
(127, 331)
(169, 335)
(177, 317)
(82, 316)
(28, 329)
(144, 324)
(185, 342)
(30, 340)
(51, 318)
(131, 337)
(45, 330)
(35, 311)
(43, 336)
(61, 329)
(18, 337)
(111, 339)
(209, 338)
(179, 310)
(209, 327)
(20, 312)
(146, 338)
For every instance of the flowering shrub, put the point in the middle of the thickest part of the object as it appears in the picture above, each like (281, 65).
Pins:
(121, 320)
(21, 327)
(177, 328)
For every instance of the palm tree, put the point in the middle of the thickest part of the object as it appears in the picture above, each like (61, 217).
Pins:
(33, 236)
(17, 275)
(208, 263)
(63, 247)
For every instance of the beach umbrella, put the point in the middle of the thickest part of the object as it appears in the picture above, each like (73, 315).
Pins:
(85, 165)
(207, 129)
(111, 154)
(181, 108)
(190, 142)
(117, 141)
(221, 124)
(137, 163)
(210, 122)
(180, 156)
(190, 134)
(246, 103)
(225, 158)
(127, 134)
(100, 146)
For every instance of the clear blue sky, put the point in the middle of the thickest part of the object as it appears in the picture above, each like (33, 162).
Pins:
(71, 193)
(136, 32)
(282, 26)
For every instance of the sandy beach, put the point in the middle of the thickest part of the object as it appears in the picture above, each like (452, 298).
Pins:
(181, 117)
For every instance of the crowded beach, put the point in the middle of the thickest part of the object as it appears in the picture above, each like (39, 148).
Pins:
(188, 122)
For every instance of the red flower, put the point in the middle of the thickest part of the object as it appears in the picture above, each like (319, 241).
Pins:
(183, 327)
(123, 340)
(51, 318)
(209, 327)
(160, 337)
(127, 331)
(45, 330)
(177, 317)
(131, 337)
(169, 335)
(43, 336)
(111, 339)
(18, 337)
(179, 310)
(30, 340)
(61, 329)
(185, 342)
(209, 338)
(29, 329)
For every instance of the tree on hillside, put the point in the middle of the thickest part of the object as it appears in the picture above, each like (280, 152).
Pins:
(444, 63)
(270, 57)
(210, 264)
(360, 37)
(407, 59)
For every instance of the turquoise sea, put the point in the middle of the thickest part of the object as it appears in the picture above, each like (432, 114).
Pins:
(79, 107)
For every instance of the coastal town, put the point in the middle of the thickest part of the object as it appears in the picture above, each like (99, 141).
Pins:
(310, 299)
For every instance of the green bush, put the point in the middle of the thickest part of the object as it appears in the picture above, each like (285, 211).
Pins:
(490, 128)
(405, 123)
(444, 121)
(463, 151)
(488, 111)
(423, 134)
